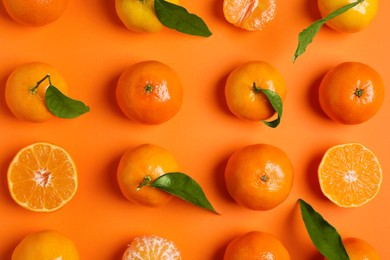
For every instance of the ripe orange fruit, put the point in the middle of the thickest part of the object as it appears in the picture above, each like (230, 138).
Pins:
(152, 247)
(26, 102)
(45, 245)
(358, 249)
(259, 176)
(149, 92)
(353, 20)
(145, 160)
(139, 16)
(256, 245)
(351, 93)
(35, 12)
(42, 177)
(242, 93)
(350, 175)
(249, 15)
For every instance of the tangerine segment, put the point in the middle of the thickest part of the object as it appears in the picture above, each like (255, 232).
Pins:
(350, 175)
(256, 245)
(42, 177)
(250, 15)
(152, 247)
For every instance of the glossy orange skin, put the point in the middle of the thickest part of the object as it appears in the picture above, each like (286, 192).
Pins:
(35, 12)
(32, 106)
(145, 160)
(149, 92)
(353, 20)
(338, 97)
(256, 245)
(259, 176)
(247, 103)
(358, 249)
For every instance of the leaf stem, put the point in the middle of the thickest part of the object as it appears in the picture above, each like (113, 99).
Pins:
(34, 89)
(145, 182)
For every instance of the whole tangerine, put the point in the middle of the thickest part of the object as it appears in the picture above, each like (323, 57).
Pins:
(351, 93)
(259, 176)
(149, 92)
(256, 245)
(149, 161)
(354, 19)
(35, 12)
(25, 97)
(243, 90)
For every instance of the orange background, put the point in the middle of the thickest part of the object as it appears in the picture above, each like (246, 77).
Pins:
(90, 47)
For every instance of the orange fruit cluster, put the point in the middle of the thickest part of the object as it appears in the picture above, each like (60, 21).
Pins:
(42, 177)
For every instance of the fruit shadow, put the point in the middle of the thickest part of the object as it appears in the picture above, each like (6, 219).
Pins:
(312, 174)
(312, 9)
(109, 10)
(313, 96)
(220, 93)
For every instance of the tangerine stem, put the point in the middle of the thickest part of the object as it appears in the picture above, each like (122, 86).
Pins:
(148, 88)
(34, 89)
(255, 88)
(145, 182)
(358, 92)
(264, 178)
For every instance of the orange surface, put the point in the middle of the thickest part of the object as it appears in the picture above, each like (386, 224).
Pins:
(91, 47)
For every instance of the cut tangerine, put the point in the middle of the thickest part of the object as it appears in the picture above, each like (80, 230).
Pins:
(350, 175)
(42, 177)
(151, 247)
(250, 15)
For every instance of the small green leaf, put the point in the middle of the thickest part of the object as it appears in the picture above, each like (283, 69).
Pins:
(176, 17)
(63, 106)
(276, 103)
(306, 36)
(323, 235)
(182, 186)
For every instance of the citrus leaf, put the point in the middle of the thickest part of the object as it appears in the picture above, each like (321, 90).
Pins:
(63, 106)
(184, 187)
(323, 235)
(277, 105)
(176, 17)
(305, 37)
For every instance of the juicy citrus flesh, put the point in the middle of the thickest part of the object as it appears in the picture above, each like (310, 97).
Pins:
(351, 93)
(152, 247)
(139, 15)
(139, 162)
(259, 177)
(353, 20)
(350, 175)
(256, 245)
(149, 92)
(42, 177)
(246, 102)
(26, 104)
(35, 12)
(250, 15)
(45, 245)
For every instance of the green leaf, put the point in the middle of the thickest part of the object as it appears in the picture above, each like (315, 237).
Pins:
(63, 106)
(276, 103)
(176, 17)
(306, 36)
(182, 186)
(323, 235)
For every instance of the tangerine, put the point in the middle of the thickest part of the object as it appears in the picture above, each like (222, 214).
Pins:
(350, 175)
(140, 162)
(152, 247)
(259, 176)
(256, 245)
(35, 12)
(249, 15)
(149, 92)
(358, 249)
(23, 96)
(42, 177)
(353, 20)
(243, 90)
(139, 16)
(45, 245)
(351, 93)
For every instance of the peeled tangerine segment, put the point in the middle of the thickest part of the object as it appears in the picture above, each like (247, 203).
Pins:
(250, 15)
